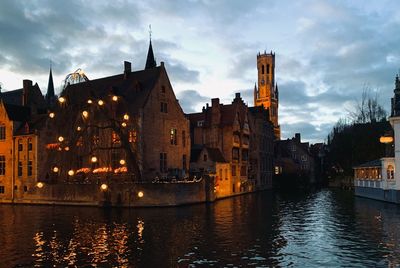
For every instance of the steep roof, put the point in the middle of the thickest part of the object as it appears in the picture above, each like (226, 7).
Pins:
(150, 61)
(17, 113)
(135, 87)
(214, 154)
(50, 88)
(12, 96)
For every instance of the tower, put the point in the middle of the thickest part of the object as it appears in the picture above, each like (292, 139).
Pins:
(266, 94)
(50, 96)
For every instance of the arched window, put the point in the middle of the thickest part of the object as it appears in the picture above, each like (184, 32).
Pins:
(390, 172)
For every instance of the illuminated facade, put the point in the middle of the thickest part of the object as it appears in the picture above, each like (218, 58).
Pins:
(266, 91)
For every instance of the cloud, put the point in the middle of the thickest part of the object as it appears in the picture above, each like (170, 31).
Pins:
(190, 100)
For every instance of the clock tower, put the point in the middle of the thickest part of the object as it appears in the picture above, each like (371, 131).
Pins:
(266, 91)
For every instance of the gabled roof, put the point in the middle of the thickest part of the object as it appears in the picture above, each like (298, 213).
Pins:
(12, 97)
(135, 87)
(214, 154)
(17, 113)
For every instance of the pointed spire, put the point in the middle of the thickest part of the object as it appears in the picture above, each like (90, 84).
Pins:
(50, 89)
(150, 61)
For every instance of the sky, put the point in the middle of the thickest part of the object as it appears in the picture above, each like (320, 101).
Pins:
(327, 52)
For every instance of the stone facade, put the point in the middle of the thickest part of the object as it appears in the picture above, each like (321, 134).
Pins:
(266, 91)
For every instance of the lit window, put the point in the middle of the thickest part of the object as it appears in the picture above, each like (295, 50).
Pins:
(20, 146)
(2, 165)
(2, 132)
(173, 136)
(115, 138)
(132, 136)
(2, 190)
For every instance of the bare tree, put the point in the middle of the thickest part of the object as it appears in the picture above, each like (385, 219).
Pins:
(368, 109)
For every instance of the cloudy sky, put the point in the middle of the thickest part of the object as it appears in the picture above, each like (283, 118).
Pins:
(326, 51)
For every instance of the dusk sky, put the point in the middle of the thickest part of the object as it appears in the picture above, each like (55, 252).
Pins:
(326, 51)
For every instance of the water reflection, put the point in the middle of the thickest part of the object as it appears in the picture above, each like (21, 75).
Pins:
(319, 229)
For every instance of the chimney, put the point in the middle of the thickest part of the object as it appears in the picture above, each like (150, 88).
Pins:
(215, 103)
(162, 64)
(297, 137)
(207, 105)
(27, 84)
(127, 68)
(237, 95)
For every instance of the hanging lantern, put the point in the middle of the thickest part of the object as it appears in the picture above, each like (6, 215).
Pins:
(85, 114)
(115, 98)
(52, 115)
(100, 102)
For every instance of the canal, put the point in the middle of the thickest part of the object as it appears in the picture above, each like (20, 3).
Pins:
(326, 228)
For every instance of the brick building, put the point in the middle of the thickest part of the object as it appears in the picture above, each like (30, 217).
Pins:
(128, 125)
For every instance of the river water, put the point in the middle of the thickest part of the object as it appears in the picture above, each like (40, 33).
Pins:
(325, 228)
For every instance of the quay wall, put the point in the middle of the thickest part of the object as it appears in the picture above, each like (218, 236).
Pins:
(120, 194)
(392, 196)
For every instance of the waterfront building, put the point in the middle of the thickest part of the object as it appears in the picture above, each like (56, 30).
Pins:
(261, 147)
(211, 162)
(226, 127)
(128, 126)
(294, 164)
(20, 112)
(379, 179)
(266, 92)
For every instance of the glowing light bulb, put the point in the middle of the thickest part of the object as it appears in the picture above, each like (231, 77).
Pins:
(61, 139)
(40, 185)
(66, 148)
(100, 102)
(93, 159)
(140, 194)
(123, 124)
(55, 169)
(126, 116)
(52, 115)
(71, 172)
(78, 128)
(122, 161)
(115, 98)
(85, 114)
(104, 187)
(89, 101)
(61, 99)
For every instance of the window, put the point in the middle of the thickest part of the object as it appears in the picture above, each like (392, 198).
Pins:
(220, 174)
(184, 162)
(29, 144)
(183, 138)
(235, 153)
(2, 132)
(20, 146)
(245, 155)
(162, 89)
(262, 69)
(25, 188)
(173, 136)
(114, 159)
(200, 123)
(132, 136)
(2, 165)
(267, 68)
(226, 174)
(115, 138)
(243, 171)
(164, 107)
(233, 170)
(2, 189)
(304, 158)
(19, 168)
(233, 188)
(390, 172)
(163, 162)
(30, 168)
(205, 157)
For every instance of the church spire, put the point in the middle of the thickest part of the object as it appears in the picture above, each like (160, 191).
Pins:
(50, 89)
(150, 62)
